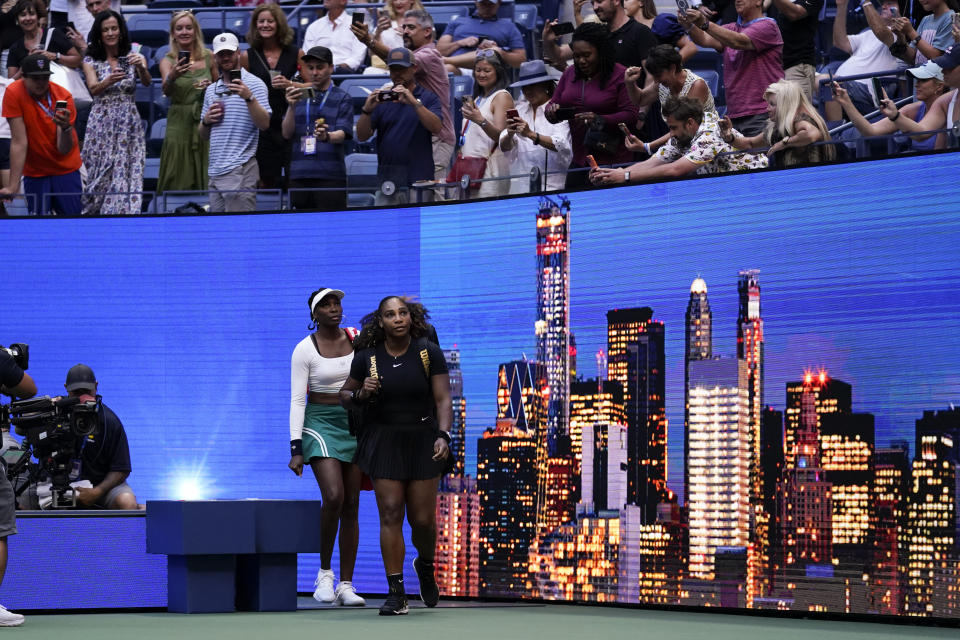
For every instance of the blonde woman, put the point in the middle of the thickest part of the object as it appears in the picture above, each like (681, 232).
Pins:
(387, 31)
(792, 128)
(186, 70)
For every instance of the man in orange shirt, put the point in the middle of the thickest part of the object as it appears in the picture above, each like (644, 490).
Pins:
(43, 143)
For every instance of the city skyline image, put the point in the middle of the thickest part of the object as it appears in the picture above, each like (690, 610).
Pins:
(779, 502)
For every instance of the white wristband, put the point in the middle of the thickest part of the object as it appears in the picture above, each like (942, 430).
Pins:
(646, 147)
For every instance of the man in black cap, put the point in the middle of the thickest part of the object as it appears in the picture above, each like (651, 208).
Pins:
(319, 120)
(44, 151)
(105, 458)
(405, 117)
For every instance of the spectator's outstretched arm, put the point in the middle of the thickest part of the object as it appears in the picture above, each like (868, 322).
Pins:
(865, 127)
(698, 26)
(791, 10)
(687, 48)
(738, 141)
(935, 118)
(876, 24)
(653, 167)
(18, 155)
(513, 58)
(840, 40)
(551, 49)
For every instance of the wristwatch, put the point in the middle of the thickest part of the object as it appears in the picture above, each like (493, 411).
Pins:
(915, 43)
(249, 99)
(626, 177)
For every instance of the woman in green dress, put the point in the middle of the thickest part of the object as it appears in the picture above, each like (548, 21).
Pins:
(183, 160)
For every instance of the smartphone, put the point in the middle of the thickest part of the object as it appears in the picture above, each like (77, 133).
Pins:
(564, 113)
(358, 17)
(466, 98)
(562, 28)
(70, 25)
(309, 93)
(956, 20)
(624, 128)
(877, 90)
(183, 55)
(60, 104)
(388, 96)
(235, 75)
(513, 113)
(895, 12)
(682, 6)
(592, 162)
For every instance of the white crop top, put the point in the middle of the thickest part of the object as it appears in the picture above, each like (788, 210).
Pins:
(309, 371)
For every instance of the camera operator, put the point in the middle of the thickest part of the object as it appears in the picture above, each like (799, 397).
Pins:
(105, 460)
(16, 383)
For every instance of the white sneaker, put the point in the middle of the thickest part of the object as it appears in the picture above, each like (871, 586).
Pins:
(9, 618)
(347, 595)
(324, 586)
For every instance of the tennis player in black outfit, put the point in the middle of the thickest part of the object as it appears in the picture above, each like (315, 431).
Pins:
(399, 380)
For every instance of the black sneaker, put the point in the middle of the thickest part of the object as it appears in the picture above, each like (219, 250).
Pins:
(395, 605)
(429, 591)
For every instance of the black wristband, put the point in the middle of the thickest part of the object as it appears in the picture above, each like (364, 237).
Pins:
(296, 447)
(894, 118)
(443, 434)
(355, 397)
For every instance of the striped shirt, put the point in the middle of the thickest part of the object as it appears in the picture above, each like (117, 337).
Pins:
(234, 141)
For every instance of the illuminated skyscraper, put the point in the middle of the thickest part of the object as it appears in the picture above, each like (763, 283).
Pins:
(889, 567)
(653, 557)
(636, 360)
(718, 463)
(561, 486)
(507, 488)
(458, 533)
(458, 428)
(578, 560)
(604, 477)
(592, 402)
(553, 312)
(771, 461)
(846, 454)
(750, 354)
(806, 510)
(931, 522)
(699, 346)
(947, 422)
(520, 395)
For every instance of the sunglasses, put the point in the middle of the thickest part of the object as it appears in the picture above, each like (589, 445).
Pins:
(482, 54)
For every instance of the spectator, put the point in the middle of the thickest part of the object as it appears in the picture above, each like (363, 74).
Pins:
(4, 143)
(43, 144)
(945, 112)
(630, 40)
(57, 13)
(404, 118)
(928, 87)
(793, 126)
(667, 29)
(665, 66)
(333, 32)
(481, 30)
(418, 36)
(593, 89)
(931, 37)
(185, 155)
(484, 119)
(84, 20)
(798, 21)
(272, 57)
(868, 54)
(643, 11)
(530, 140)
(52, 44)
(388, 33)
(234, 112)
(694, 148)
(318, 125)
(115, 150)
(751, 49)
(578, 17)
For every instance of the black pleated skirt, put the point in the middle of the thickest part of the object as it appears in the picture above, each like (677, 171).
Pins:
(398, 452)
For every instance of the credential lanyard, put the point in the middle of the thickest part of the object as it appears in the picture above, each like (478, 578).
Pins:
(47, 108)
(319, 109)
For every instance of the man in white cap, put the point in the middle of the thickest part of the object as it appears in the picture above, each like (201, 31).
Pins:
(235, 109)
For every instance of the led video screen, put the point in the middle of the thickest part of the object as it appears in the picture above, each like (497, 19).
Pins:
(732, 391)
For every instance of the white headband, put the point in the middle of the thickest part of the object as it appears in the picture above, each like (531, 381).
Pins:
(320, 295)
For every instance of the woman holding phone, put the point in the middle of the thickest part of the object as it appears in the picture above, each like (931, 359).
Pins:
(592, 95)
(51, 43)
(530, 140)
(792, 128)
(186, 70)
(114, 149)
(484, 118)
(273, 57)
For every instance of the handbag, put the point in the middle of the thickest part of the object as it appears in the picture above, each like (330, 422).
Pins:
(598, 140)
(72, 81)
(467, 166)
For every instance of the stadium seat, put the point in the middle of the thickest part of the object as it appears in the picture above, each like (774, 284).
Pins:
(362, 171)
(155, 140)
(360, 88)
(705, 58)
(525, 16)
(151, 103)
(712, 78)
(444, 14)
(269, 200)
(175, 5)
(360, 200)
(151, 29)
(168, 202)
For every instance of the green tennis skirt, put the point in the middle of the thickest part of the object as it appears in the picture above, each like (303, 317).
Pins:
(326, 434)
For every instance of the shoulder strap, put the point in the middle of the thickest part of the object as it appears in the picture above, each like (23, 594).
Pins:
(424, 356)
(352, 333)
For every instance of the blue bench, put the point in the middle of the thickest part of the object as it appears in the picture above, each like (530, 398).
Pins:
(224, 555)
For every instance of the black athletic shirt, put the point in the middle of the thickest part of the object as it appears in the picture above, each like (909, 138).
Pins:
(405, 392)
(632, 42)
(10, 373)
(799, 46)
(58, 44)
(105, 450)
